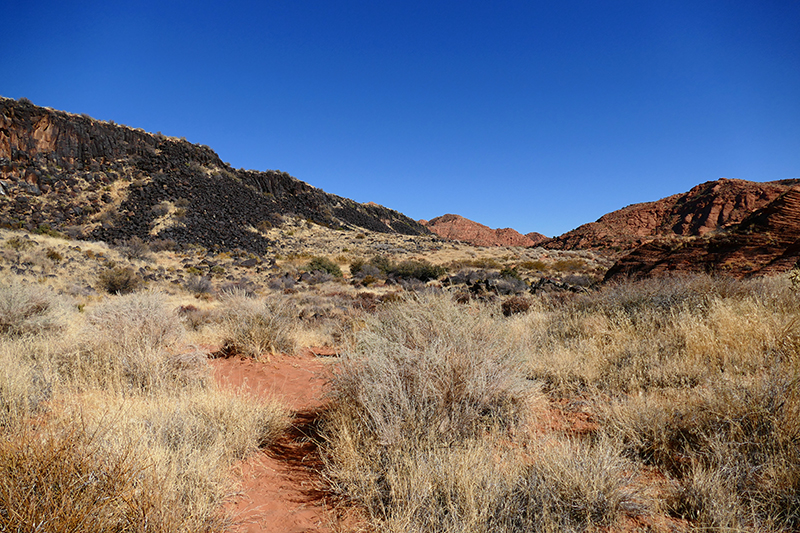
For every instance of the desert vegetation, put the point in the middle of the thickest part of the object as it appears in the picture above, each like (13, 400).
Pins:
(660, 404)
(107, 425)
(466, 397)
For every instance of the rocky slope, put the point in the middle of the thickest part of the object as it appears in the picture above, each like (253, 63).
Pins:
(764, 242)
(708, 207)
(455, 227)
(111, 182)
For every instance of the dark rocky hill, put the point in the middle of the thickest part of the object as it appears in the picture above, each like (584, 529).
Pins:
(111, 182)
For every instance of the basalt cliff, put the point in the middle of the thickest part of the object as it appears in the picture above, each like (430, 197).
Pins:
(104, 181)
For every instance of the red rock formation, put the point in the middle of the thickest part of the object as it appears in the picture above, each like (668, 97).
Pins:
(705, 208)
(765, 242)
(458, 228)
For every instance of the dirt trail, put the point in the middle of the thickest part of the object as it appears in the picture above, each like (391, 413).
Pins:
(280, 491)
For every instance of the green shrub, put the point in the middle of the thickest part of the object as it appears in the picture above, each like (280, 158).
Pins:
(120, 280)
(421, 270)
(325, 265)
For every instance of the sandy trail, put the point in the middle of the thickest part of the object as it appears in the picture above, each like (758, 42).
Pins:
(281, 491)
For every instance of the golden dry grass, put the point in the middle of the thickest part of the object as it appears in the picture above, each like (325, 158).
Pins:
(105, 425)
(694, 378)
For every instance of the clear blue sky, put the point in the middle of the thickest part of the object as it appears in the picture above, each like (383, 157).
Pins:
(539, 116)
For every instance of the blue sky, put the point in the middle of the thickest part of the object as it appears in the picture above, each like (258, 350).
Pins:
(539, 116)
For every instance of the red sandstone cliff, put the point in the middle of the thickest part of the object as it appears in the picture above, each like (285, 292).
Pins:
(764, 242)
(707, 207)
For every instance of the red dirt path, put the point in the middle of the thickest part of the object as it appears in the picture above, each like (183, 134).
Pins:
(280, 492)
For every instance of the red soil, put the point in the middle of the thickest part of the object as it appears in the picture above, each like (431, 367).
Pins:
(280, 491)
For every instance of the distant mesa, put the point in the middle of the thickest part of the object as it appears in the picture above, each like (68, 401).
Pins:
(456, 227)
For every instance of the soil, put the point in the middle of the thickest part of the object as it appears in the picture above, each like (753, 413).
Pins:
(280, 486)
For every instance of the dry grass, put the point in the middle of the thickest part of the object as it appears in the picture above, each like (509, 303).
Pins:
(427, 431)
(107, 426)
(255, 326)
(695, 378)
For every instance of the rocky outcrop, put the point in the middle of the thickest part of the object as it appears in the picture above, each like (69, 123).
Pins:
(765, 242)
(706, 208)
(458, 228)
(115, 182)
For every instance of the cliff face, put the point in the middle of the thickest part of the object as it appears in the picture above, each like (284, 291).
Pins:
(765, 242)
(458, 228)
(707, 207)
(113, 182)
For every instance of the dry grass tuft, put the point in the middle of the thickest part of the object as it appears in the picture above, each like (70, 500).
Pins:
(254, 327)
(30, 310)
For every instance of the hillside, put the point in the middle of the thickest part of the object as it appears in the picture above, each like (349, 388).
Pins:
(706, 208)
(109, 182)
(767, 241)
(456, 227)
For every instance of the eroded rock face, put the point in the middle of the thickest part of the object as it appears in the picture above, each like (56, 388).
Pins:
(767, 241)
(115, 182)
(708, 207)
(458, 228)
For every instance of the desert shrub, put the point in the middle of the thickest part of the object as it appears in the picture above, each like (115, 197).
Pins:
(508, 285)
(420, 350)
(568, 265)
(134, 248)
(126, 347)
(81, 488)
(29, 310)
(45, 229)
(161, 208)
(536, 265)
(732, 446)
(325, 265)
(510, 273)
(161, 245)
(54, 255)
(255, 327)
(159, 461)
(469, 276)
(243, 286)
(138, 320)
(25, 385)
(382, 263)
(515, 305)
(194, 317)
(119, 280)
(421, 270)
(199, 285)
(568, 486)
(423, 400)
(356, 265)
(280, 283)
(360, 270)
